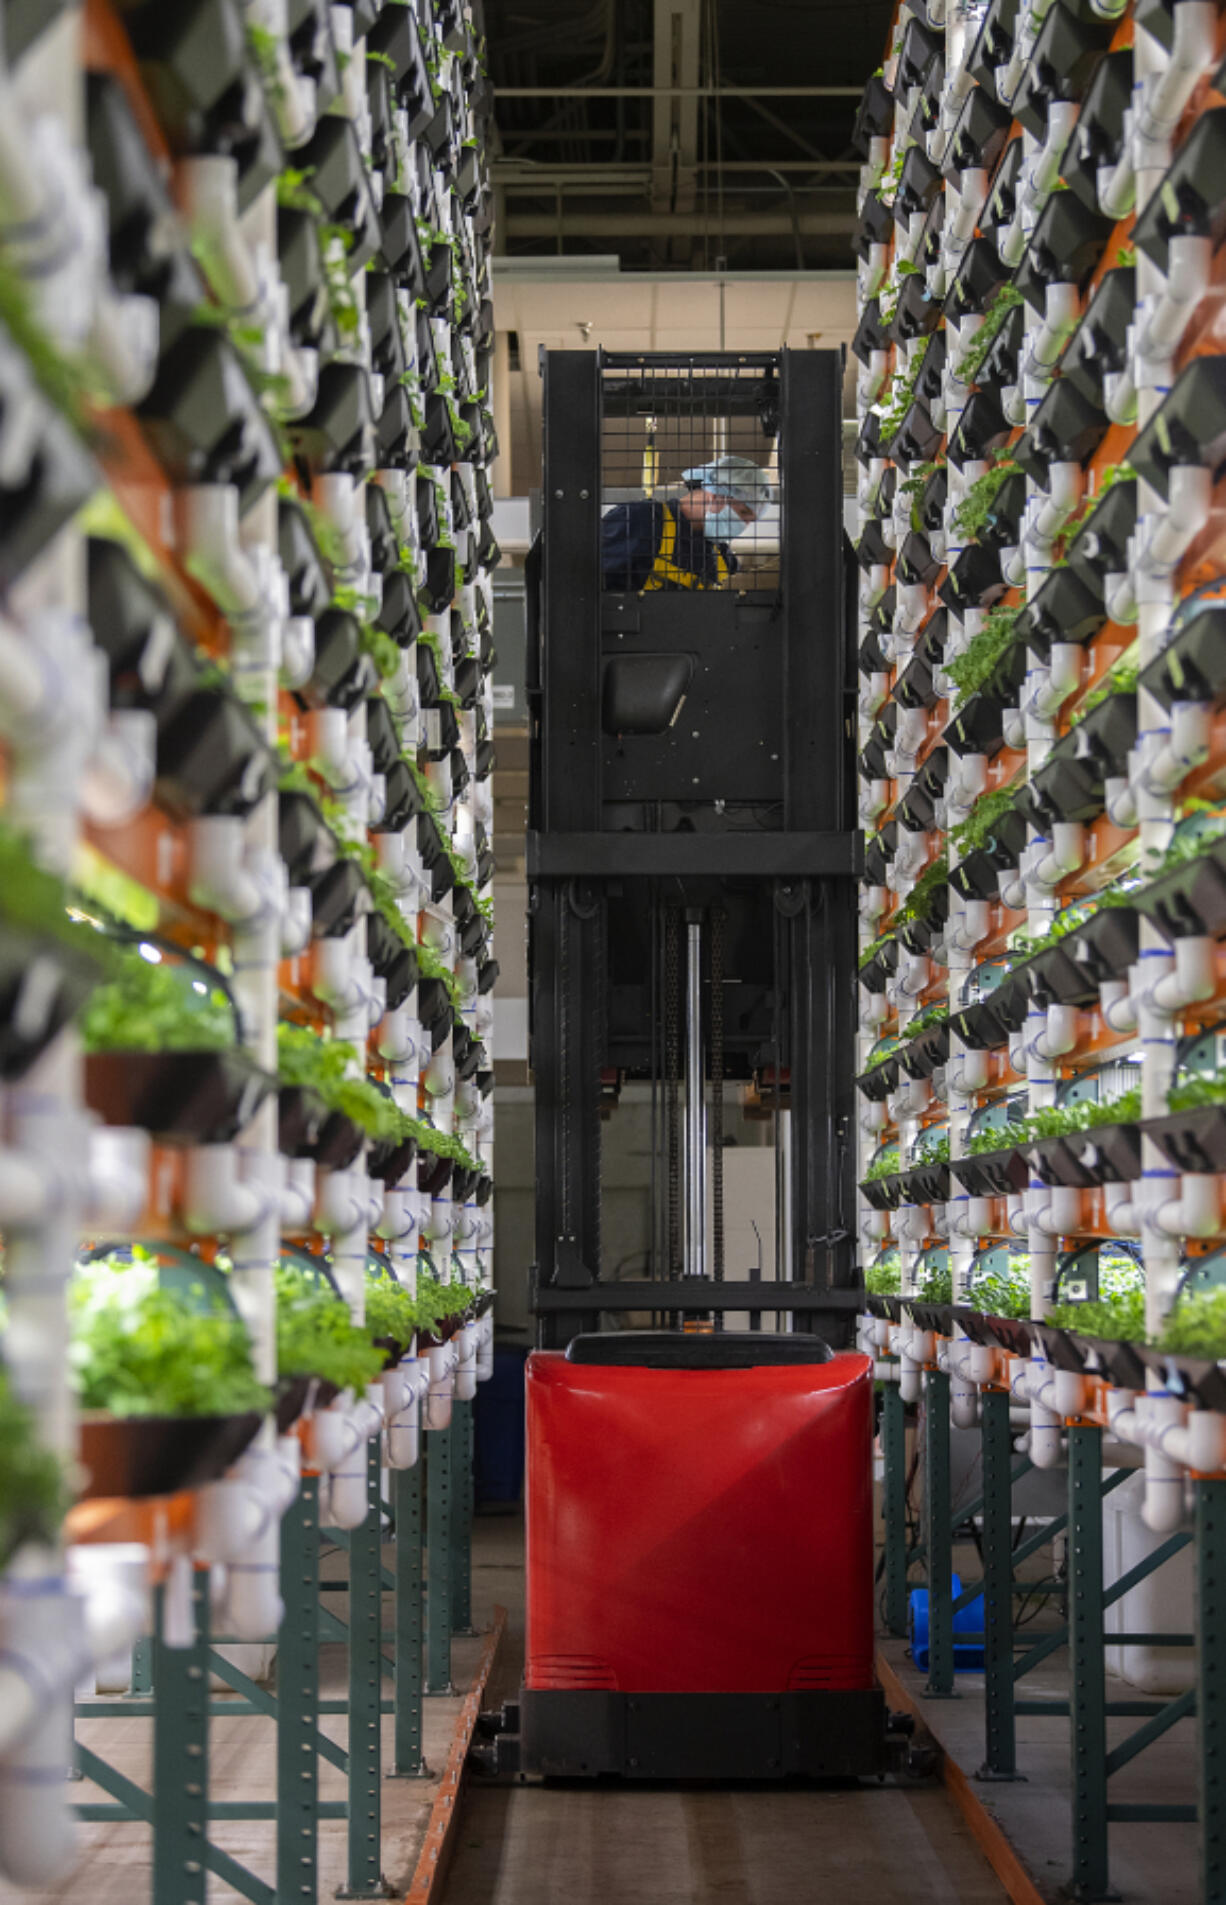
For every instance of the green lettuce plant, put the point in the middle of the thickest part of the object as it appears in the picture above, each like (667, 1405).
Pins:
(974, 512)
(1197, 1325)
(1120, 1318)
(139, 1349)
(390, 1309)
(315, 1335)
(882, 1278)
(1003, 1293)
(884, 1166)
(976, 830)
(157, 1006)
(969, 670)
(1005, 299)
(33, 1491)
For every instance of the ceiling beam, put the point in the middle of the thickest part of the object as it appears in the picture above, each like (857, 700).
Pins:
(677, 92)
(676, 69)
(633, 223)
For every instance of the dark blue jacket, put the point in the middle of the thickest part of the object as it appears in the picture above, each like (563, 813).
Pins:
(630, 541)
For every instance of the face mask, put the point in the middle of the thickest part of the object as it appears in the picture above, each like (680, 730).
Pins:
(722, 525)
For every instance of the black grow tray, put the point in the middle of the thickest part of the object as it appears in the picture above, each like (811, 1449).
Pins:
(43, 983)
(1064, 248)
(1188, 428)
(212, 757)
(301, 1115)
(1199, 1379)
(977, 141)
(1053, 977)
(1062, 65)
(1070, 785)
(1067, 427)
(338, 434)
(993, 1173)
(1194, 1140)
(1192, 667)
(52, 481)
(975, 581)
(1101, 549)
(925, 1054)
(1121, 1363)
(884, 962)
(879, 1081)
(1098, 136)
(1190, 199)
(926, 1183)
(140, 1456)
(339, 1142)
(1100, 343)
(884, 1193)
(181, 1097)
(1061, 1347)
(305, 841)
(1110, 1153)
(298, 1393)
(1063, 609)
(915, 688)
(975, 1325)
(1011, 998)
(1189, 899)
(390, 1159)
(1105, 945)
(1012, 1333)
(937, 1317)
(978, 1026)
(981, 429)
(340, 896)
(205, 420)
(433, 1172)
(1054, 1162)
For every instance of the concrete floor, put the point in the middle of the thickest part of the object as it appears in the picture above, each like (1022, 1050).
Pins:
(579, 1845)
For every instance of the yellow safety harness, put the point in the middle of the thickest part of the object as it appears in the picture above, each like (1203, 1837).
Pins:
(665, 573)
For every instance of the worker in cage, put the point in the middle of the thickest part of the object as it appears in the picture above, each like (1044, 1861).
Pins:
(684, 543)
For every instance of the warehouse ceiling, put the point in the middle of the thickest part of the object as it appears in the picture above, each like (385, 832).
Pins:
(680, 135)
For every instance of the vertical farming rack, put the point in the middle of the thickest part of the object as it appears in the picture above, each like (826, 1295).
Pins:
(1042, 641)
(245, 899)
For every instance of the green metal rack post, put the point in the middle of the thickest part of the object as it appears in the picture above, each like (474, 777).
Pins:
(1087, 1664)
(1000, 1758)
(365, 1878)
(1211, 1685)
(894, 1505)
(439, 1483)
(408, 1756)
(940, 1684)
(461, 1518)
(180, 1789)
(298, 1699)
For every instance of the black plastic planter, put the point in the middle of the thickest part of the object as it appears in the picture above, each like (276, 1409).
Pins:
(433, 1172)
(1200, 1379)
(43, 982)
(212, 757)
(136, 1457)
(1189, 899)
(196, 66)
(1100, 343)
(1063, 609)
(884, 962)
(978, 1026)
(389, 1160)
(1192, 667)
(1120, 1362)
(301, 1116)
(339, 1142)
(181, 1097)
(1071, 783)
(340, 897)
(1108, 1153)
(1098, 136)
(1064, 248)
(151, 665)
(978, 139)
(342, 673)
(1193, 1140)
(1054, 1162)
(979, 276)
(48, 475)
(915, 687)
(1191, 200)
(1101, 548)
(341, 182)
(993, 1173)
(981, 429)
(339, 434)
(883, 1193)
(975, 580)
(874, 115)
(1189, 428)
(879, 1080)
(141, 218)
(1105, 945)
(204, 419)
(305, 841)
(1062, 65)
(993, 46)
(925, 1054)
(875, 226)
(294, 1393)
(393, 32)
(1067, 427)
(1001, 207)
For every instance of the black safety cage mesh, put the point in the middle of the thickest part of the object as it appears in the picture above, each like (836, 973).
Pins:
(664, 416)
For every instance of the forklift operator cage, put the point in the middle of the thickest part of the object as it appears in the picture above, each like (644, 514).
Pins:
(692, 786)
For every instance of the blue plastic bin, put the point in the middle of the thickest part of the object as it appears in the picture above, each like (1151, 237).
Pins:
(968, 1655)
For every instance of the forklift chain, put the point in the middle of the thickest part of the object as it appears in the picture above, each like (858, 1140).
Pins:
(717, 1093)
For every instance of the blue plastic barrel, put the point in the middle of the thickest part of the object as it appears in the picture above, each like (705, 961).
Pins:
(498, 1430)
(968, 1655)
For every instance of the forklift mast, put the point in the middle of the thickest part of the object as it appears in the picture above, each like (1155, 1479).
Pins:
(692, 845)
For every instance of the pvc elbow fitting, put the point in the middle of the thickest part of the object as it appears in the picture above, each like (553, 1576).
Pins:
(1165, 536)
(1163, 1508)
(1191, 981)
(1120, 801)
(1067, 854)
(217, 1199)
(221, 878)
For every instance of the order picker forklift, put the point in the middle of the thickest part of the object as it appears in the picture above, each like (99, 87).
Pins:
(699, 1547)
